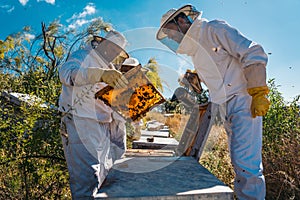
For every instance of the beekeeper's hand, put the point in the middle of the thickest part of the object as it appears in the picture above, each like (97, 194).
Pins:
(260, 104)
(112, 77)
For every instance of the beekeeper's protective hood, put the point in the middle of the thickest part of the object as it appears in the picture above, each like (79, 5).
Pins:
(111, 48)
(190, 11)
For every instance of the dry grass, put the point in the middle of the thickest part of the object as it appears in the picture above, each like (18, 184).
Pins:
(281, 159)
(216, 157)
(176, 122)
(282, 168)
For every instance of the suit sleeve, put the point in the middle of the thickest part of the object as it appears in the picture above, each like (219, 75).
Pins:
(251, 55)
(72, 72)
(237, 45)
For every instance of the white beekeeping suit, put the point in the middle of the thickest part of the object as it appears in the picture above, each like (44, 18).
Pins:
(93, 134)
(233, 69)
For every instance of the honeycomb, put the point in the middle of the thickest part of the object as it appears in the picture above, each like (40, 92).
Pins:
(134, 101)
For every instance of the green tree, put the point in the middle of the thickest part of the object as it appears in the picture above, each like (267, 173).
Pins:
(281, 146)
(153, 74)
(32, 161)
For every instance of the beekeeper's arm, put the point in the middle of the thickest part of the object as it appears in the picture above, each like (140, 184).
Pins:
(253, 59)
(72, 74)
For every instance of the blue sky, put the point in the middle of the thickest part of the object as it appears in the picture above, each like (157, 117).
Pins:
(272, 23)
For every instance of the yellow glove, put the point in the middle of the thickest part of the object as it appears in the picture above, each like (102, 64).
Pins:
(260, 104)
(112, 77)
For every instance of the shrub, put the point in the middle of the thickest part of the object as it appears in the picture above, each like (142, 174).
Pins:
(281, 147)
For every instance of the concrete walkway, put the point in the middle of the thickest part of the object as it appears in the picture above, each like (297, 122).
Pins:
(149, 178)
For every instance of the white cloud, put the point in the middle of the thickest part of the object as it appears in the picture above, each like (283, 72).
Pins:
(79, 19)
(80, 22)
(48, 1)
(11, 9)
(7, 8)
(23, 2)
(29, 36)
(87, 10)
(77, 23)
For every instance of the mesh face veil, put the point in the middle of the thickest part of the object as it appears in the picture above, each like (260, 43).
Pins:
(163, 34)
(109, 51)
